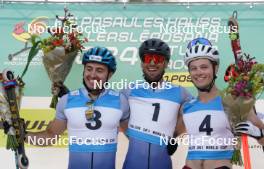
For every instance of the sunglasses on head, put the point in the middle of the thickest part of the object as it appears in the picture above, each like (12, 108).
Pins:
(196, 41)
(155, 57)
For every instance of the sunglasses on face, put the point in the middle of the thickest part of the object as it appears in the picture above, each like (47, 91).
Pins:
(155, 57)
(197, 41)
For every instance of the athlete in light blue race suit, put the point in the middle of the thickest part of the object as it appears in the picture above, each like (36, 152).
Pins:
(91, 114)
(153, 116)
(211, 141)
(92, 144)
(153, 111)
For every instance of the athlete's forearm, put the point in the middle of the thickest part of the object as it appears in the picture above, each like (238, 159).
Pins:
(255, 120)
(180, 127)
(49, 136)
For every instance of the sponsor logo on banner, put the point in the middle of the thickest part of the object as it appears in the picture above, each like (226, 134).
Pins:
(23, 32)
(37, 26)
(179, 78)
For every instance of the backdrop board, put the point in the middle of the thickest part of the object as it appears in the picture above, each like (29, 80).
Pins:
(122, 30)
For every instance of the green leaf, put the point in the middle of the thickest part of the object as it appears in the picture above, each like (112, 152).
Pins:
(11, 142)
(32, 53)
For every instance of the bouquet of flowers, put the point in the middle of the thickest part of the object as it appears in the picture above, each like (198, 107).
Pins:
(245, 82)
(60, 50)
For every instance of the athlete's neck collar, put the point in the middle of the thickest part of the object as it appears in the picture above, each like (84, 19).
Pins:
(207, 96)
(88, 95)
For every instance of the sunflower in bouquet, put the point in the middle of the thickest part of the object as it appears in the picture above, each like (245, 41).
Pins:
(59, 51)
(245, 82)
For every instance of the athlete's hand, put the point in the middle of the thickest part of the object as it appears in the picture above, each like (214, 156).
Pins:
(249, 129)
(171, 148)
(59, 89)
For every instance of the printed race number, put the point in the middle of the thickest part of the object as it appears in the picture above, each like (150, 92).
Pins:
(206, 125)
(96, 123)
(156, 111)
